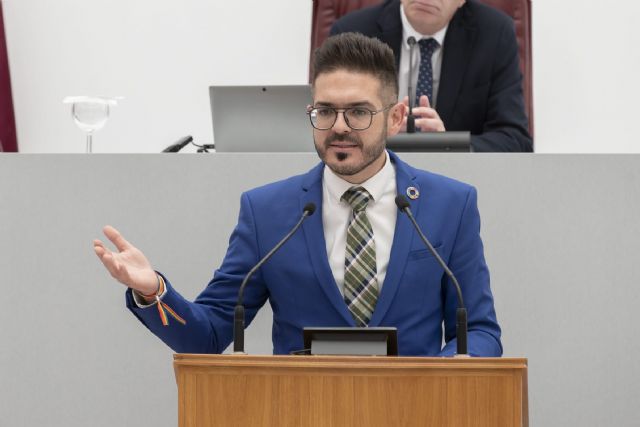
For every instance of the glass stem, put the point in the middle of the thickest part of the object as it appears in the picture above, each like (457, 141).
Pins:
(89, 143)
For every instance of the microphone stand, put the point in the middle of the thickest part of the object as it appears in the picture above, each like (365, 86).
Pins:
(461, 311)
(411, 120)
(238, 315)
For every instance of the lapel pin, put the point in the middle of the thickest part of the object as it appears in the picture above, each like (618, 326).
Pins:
(413, 193)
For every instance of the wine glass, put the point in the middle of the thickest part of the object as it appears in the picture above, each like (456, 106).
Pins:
(90, 113)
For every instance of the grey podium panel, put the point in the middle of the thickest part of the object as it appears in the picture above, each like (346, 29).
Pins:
(561, 235)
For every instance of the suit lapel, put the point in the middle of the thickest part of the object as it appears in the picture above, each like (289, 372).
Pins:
(401, 246)
(316, 244)
(458, 46)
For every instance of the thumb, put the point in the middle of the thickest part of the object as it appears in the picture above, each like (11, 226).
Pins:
(424, 101)
(405, 100)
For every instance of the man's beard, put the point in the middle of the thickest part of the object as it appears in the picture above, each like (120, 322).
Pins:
(369, 154)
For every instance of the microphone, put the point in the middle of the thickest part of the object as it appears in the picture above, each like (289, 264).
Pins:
(461, 312)
(182, 142)
(411, 120)
(238, 316)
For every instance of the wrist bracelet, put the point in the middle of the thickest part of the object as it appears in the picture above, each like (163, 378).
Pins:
(162, 306)
(157, 292)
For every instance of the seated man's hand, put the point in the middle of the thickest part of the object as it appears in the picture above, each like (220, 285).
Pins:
(128, 265)
(427, 118)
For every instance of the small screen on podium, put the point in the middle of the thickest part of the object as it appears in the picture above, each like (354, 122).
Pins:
(381, 341)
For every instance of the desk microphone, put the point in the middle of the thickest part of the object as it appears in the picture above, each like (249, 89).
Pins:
(461, 312)
(411, 120)
(179, 145)
(238, 315)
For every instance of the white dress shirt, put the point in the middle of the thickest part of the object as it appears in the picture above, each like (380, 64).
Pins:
(436, 59)
(381, 211)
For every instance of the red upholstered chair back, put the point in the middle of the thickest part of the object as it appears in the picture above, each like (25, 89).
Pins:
(326, 12)
(7, 121)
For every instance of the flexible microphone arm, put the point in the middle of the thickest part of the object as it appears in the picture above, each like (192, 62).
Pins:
(238, 315)
(411, 120)
(461, 312)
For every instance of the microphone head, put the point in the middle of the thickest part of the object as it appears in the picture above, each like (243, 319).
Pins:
(411, 41)
(309, 208)
(182, 142)
(401, 202)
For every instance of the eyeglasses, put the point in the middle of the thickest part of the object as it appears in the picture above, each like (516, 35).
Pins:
(357, 118)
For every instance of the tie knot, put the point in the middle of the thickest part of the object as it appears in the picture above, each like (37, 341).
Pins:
(428, 46)
(357, 198)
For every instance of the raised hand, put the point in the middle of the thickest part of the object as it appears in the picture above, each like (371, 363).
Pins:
(128, 265)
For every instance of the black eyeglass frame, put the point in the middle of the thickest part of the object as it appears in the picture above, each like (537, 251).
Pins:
(372, 113)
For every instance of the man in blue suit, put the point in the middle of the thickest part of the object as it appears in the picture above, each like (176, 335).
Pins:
(357, 261)
(473, 78)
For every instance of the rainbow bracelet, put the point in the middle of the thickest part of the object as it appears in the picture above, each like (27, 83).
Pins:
(162, 306)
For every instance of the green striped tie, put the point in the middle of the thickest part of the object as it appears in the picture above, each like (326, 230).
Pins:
(360, 282)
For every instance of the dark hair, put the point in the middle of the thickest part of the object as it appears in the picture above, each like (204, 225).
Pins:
(359, 53)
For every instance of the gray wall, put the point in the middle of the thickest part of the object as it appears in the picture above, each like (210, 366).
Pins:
(561, 234)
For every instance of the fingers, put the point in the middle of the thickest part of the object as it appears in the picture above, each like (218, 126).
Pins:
(422, 102)
(430, 125)
(117, 270)
(116, 238)
(425, 113)
(127, 265)
(105, 255)
(98, 243)
(99, 248)
(427, 118)
(108, 260)
(424, 110)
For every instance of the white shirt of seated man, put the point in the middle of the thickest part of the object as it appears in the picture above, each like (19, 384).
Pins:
(424, 19)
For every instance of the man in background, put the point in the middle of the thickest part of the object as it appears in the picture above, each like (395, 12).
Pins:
(466, 69)
(356, 261)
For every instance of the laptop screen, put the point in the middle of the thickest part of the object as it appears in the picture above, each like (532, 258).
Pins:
(261, 118)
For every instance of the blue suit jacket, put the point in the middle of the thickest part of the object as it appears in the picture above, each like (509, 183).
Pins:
(416, 295)
(480, 80)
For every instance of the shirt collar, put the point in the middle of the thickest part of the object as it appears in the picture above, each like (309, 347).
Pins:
(375, 185)
(408, 31)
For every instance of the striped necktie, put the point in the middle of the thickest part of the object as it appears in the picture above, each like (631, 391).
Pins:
(360, 282)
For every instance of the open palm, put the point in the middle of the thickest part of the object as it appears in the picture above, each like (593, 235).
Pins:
(128, 265)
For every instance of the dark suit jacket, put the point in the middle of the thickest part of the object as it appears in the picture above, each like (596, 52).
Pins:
(480, 82)
(416, 295)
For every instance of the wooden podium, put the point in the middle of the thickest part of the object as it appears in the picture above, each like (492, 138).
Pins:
(323, 391)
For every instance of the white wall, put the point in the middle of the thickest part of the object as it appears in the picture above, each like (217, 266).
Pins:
(162, 55)
(586, 62)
